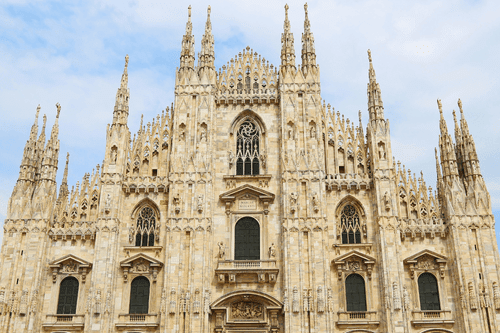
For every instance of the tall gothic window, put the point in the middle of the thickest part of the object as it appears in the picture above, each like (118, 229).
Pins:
(146, 226)
(429, 293)
(247, 149)
(68, 296)
(247, 239)
(139, 296)
(355, 293)
(350, 225)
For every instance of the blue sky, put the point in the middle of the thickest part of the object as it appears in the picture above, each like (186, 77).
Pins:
(72, 52)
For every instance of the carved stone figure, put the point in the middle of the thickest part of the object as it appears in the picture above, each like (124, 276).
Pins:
(295, 300)
(396, 298)
(70, 267)
(472, 297)
(313, 132)
(315, 201)
(406, 299)
(272, 251)
(230, 158)
(199, 203)
(140, 266)
(222, 251)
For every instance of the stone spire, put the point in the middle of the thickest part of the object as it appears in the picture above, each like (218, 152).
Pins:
(206, 56)
(287, 48)
(27, 162)
(446, 147)
(308, 51)
(120, 113)
(375, 104)
(187, 52)
(63, 189)
(467, 148)
(51, 152)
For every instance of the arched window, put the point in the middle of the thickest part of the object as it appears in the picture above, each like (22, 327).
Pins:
(350, 226)
(247, 239)
(355, 293)
(146, 226)
(68, 295)
(429, 293)
(139, 296)
(247, 149)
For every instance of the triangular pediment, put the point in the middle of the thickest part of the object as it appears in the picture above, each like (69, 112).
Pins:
(70, 258)
(141, 257)
(354, 254)
(414, 258)
(246, 189)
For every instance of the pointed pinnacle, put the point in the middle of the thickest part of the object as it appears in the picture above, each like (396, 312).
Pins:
(440, 106)
(460, 106)
(369, 55)
(58, 106)
(126, 61)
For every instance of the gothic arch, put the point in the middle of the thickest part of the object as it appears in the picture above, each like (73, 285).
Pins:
(245, 114)
(436, 330)
(146, 202)
(350, 200)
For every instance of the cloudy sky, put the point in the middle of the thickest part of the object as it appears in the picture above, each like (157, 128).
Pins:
(72, 52)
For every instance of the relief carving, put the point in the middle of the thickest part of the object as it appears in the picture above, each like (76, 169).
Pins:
(247, 310)
(426, 263)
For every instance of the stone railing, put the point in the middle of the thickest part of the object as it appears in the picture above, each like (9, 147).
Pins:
(347, 181)
(72, 230)
(429, 227)
(263, 270)
(66, 321)
(247, 96)
(137, 320)
(358, 318)
(431, 317)
(136, 184)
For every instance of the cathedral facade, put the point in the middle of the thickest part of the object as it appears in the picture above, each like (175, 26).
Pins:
(250, 205)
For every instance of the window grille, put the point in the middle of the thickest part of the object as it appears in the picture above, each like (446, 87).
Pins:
(350, 225)
(146, 227)
(355, 293)
(429, 293)
(139, 296)
(247, 149)
(247, 239)
(68, 296)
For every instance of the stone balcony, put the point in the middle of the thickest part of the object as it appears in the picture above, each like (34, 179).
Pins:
(126, 321)
(358, 318)
(424, 318)
(70, 322)
(232, 271)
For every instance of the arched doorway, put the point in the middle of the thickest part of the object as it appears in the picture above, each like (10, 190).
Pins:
(247, 239)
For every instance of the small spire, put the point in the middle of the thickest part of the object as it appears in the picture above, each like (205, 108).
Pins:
(187, 52)
(207, 54)
(308, 50)
(120, 114)
(442, 121)
(438, 166)
(375, 104)
(287, 48)
(65, 175)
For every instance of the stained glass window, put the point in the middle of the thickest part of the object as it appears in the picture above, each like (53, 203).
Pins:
(145, 229)
(350, 225)
(247, 149)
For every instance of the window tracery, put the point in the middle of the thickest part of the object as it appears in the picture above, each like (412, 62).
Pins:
(248, 149)
(146, 230)
(350, 225)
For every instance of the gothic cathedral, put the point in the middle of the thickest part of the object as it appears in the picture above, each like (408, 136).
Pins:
(250, 205)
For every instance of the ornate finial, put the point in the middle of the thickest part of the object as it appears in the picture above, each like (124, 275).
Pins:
(359, 113)
(126, 61)
(460, 106)
(369, 55)
(209, 10)
(286, 10)
(454, 116)
(440, 106)
(189, 12)
(67, 157)
(58, 109)
(38, 109)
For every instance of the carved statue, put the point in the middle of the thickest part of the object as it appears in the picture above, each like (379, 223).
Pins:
(315, 201)
(203, 135)
(272, 251)
(406, 299)
(222, 252)
(200, 203)
(230, 158)
(263, 160)
(108, 201)
(293, 198)
(114, 155)
(381, 152)
(70, 267)
(472, 297)
(387, 201)
(313, 132)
